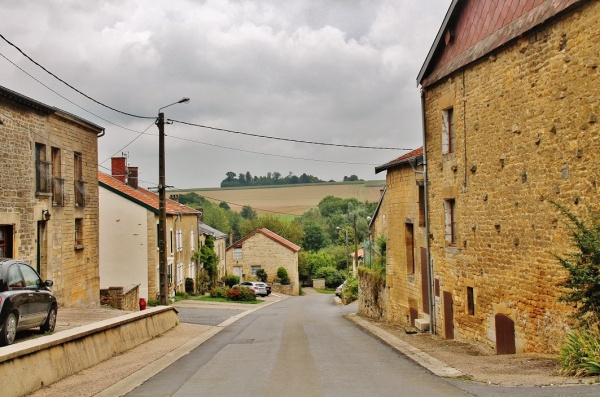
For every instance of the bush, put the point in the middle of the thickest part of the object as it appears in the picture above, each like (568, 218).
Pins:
(189, 285)
(350, 292)
(232, 280)
(261, 274)
(240, 294)
(219, 292)
(580, 353)
(282, 276)
(333, 277)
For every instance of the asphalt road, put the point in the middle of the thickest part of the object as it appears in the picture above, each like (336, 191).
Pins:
(296, 347)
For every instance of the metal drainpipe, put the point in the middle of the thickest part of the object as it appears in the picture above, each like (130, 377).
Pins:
(432, 314)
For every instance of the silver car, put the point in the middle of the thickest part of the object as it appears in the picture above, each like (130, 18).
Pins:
(259, 288)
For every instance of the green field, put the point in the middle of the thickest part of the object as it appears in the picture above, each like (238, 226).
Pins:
(289, 199)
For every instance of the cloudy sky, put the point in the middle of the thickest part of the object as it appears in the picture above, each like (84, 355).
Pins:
(330, 71)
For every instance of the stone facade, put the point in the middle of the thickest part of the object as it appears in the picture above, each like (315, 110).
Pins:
(407, 288)
(526, 134)
(266, 250)
(48, 189)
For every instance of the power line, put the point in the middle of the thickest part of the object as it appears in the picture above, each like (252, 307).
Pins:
(130, 142)
(70, 86)
(286, 139)
(65, 98)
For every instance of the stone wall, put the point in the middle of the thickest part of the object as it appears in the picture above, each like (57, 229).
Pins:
(372, 295)
(526, 123)
(122, 298)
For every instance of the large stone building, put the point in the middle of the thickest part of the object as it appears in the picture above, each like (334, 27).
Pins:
(263, 249)
(129, 216)
(49, 195)
(511, 95)
(407, 277)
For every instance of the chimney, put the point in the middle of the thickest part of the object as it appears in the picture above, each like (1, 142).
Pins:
(132, 177)
(118, 168)
(201, 216)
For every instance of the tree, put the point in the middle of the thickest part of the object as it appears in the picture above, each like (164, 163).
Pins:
(583, 265)
(291, 231)
(261, 274)
(282, 276)
(230, 176)
(224, 205)
(314, 238)
(248, 212)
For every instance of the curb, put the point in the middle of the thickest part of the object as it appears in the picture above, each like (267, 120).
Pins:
(428, 362)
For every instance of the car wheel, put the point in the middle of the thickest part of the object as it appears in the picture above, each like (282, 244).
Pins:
(9, 331)
(50, 322)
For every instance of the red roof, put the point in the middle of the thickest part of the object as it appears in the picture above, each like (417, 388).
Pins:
(273, 236)
(142, 196)
(475, 28)
(400, 160)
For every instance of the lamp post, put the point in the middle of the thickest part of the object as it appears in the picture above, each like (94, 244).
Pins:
(162, 206)
(345, 231)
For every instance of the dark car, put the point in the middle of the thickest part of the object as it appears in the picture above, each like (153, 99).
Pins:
(25, 300)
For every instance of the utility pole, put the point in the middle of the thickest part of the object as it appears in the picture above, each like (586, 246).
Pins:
(162, 212)
(355, 262)
(162, 208)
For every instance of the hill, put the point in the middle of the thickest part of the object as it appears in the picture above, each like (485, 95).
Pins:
(288, 199)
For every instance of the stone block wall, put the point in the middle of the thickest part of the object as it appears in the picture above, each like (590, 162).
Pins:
(122, 298)
(526, 123)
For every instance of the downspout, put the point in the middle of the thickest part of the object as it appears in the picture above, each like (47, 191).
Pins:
(432, 314)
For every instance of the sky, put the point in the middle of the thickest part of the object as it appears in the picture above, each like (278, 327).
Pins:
(339, 72)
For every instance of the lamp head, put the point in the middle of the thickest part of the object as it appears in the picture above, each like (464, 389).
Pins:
(184, 100)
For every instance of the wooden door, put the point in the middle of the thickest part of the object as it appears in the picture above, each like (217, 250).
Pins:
(448, 315)
(505, 335)
(424, 281)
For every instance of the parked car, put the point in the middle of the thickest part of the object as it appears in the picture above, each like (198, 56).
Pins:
(256, 286)
(267, 287)
(340, 288)
(25, 300)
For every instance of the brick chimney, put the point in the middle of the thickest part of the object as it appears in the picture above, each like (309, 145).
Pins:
(201, 216)
(118, 168)
(132, 177)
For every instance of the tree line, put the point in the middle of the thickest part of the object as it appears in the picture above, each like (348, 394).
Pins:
(273, 178)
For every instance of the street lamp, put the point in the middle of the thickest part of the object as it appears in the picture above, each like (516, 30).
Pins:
(345, 231)
(162, 206)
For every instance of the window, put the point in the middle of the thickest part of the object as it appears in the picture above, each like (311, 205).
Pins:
(237, 253)
(254, 269)
(192, 240)
(31, 278)
(470, 301)
(448, 131)
(171, 240)
(410, 248)
(58, 183)
(179, 240)
(42, 169)
(6, 235)
(78, 233)
(79, 188)
(15, 280)
(450, 220)
(422, 206)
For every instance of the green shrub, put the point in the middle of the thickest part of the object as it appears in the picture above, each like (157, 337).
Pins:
(218, 292)
(282, 276)
(333, 277)
(261, 274)
(350, 292)
(189, 285)
(580, 353)
(232, 280)
(240, 294)
(153, 302)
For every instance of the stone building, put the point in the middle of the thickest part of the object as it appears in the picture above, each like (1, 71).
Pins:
(511, 95)
(49, 195)
(220, 241)
(263, 249)
(407, 275)
(129, 216)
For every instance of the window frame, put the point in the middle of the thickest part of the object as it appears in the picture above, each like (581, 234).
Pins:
(58, 183)
(448, 131)
(237, 253)
(42, 170)
(79, 234)
(409, 239)
(450, 233)
(78, 181)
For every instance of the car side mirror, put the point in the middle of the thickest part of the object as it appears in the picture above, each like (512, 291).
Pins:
(48, 283)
